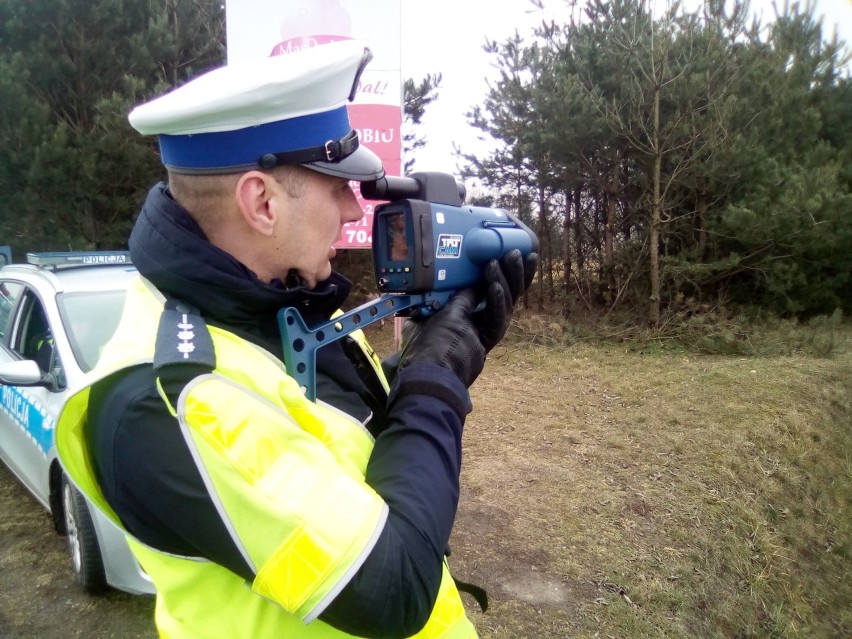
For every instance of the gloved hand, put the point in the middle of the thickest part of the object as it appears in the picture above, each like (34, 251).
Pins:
(456, 337)
(447, 338)
(505, 281)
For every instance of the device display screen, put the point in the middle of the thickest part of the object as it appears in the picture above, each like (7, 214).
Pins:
(397, 244)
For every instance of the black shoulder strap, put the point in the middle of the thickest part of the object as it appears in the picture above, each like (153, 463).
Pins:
(184, 347)
(477, 592)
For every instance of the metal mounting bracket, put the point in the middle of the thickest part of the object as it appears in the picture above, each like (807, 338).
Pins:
(302, 343)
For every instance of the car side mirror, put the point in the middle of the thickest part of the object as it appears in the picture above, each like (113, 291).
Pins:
(24, 372)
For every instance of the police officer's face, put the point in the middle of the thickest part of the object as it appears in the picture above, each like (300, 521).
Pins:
(312, 222)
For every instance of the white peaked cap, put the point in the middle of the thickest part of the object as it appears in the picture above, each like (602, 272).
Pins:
(288, 109)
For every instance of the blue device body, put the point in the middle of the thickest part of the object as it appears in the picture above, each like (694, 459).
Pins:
(426, 247)
(423, 247)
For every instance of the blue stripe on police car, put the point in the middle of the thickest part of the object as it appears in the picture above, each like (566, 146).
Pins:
(28, 413)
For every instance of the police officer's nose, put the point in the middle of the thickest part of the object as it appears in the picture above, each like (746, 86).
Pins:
(350, 210)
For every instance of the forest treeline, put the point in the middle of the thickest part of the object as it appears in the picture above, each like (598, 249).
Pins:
(671, 162)
(677, 161)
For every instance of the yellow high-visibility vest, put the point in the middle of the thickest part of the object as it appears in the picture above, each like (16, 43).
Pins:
(286, 475)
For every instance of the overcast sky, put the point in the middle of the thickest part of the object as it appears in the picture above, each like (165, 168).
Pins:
(446, 36)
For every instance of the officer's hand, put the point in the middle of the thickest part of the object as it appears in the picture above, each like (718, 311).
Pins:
(447, 338)
(505, 281)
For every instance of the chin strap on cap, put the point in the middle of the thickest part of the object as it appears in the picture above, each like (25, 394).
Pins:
(331, 151)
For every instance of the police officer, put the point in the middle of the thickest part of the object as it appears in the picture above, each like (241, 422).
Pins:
(256, 512)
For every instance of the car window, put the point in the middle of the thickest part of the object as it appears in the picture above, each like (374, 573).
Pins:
(32, 338)
(33, 329)
(9, 294)
(90, 319)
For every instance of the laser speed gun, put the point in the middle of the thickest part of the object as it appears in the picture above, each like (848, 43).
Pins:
(426, 242)
(426, 247)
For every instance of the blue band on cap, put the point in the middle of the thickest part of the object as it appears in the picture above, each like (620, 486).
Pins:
(243, 147)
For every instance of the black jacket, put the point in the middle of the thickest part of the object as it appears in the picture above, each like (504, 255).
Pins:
(147, 474)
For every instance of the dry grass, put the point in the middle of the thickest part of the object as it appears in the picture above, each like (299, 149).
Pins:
(606, 493)
(609, 493)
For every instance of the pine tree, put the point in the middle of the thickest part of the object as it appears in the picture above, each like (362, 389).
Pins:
(72, 171)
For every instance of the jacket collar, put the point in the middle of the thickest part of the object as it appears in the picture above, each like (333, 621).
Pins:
(171, 251)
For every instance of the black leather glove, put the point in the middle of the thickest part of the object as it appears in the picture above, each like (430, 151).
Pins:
(456, 337)
(505, 281)
(447, 338)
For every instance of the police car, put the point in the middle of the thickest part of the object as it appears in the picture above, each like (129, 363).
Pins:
(56, 313)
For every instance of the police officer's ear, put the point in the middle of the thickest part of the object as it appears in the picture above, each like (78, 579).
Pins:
(257, 194)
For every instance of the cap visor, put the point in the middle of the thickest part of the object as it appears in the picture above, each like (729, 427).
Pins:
(363, 165)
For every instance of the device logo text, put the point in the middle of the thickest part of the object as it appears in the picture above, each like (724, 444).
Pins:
(449, 246)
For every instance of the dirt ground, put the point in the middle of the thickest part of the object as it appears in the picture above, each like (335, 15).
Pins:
(38, 597)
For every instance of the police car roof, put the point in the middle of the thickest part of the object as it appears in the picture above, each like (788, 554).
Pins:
(75, 272)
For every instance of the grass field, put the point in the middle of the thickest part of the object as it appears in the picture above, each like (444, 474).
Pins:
(610, 492)
(607, 491)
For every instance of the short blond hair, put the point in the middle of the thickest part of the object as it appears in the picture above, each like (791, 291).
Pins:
(209, 199)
